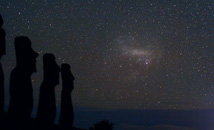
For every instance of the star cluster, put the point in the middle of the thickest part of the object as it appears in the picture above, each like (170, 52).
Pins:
(147, 54)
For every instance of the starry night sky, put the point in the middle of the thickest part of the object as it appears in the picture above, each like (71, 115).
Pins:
(125, 54)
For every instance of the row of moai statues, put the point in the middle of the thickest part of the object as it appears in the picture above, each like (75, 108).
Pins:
(21, 90)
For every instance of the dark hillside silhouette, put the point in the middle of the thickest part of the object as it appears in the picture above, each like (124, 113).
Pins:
(2, 52)
(102, 125)
(67, 114)
(47, 102)
(21, 91)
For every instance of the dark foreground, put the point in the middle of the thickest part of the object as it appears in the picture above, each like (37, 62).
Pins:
(32, 124)
(148, 119)
(129, 120)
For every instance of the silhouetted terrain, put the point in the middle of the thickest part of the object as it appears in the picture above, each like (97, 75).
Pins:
(135, 119)
(33, 124)
(145, 119)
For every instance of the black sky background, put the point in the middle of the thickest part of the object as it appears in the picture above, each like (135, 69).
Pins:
(124, 54)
